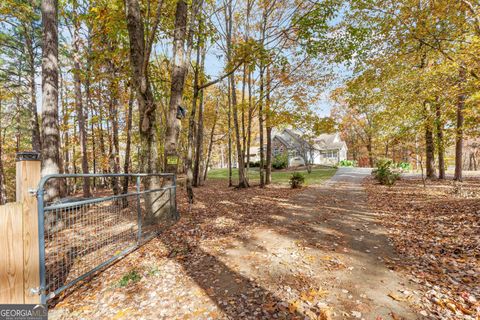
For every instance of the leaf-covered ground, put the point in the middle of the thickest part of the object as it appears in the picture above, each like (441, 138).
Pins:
(271, 253)
(436, 230)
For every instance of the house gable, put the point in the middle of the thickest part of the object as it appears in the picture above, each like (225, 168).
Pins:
(326, 148)
(279, 146)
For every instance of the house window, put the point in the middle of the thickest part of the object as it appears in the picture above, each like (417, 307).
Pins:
(275, 151)
(330, 154)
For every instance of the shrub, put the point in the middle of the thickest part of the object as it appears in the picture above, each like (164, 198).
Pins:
(280, 161)
(255, 164)
(386, 173)
(404, 166)
(347, 163)
(296, 180)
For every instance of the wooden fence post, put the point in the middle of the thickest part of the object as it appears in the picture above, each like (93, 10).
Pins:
(11, 258)
(27, 179)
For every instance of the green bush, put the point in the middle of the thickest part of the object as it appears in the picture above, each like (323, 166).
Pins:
(404, 166)
(255, 164)
(386, 172)
(280, 161)
(347, 163)
(296, 180)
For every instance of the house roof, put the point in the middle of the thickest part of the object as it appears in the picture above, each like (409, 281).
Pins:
(292, 139)
(327, 141)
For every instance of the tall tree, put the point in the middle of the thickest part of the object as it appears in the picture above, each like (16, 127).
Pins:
(197, 176)
(140, 49)
(30, 34)
(459, 128)
(429, 143)
(242, 183)
(179, 72)
(82, 130)
(50, 130)
(210, 144)
(3, 190)
(191, 124)
(268, 126)
(128, 144)
(440, 142)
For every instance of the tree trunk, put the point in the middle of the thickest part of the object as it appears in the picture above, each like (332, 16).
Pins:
(65, 135)
(241, 164)
(260, 126)
(50, 132)
(148, 153)
(244, 129)
(268, 170)
(115, 146)
(440, 143)
(36, 139)
(459, 132)
(74, 158)
(90, 104)
(17, 126)
(371, 161)
(197, 176)
(191, 129)
(430, 158)
(261, 100)
(249, 122)
(82, 131)
(247, 139)
(94, 153)
(103, 148)
(146, 104)
(179, 72)
(429, 144)
(210, 145)
(129, 140)
(3, 190)
(229, 136)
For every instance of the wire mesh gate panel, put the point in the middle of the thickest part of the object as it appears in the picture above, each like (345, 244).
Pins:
(79, 236)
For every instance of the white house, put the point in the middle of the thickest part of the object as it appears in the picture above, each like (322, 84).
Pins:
(326, 149)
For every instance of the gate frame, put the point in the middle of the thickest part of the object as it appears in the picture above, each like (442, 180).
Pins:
(40, 192)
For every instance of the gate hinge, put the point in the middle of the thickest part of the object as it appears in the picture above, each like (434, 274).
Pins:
(32, 192)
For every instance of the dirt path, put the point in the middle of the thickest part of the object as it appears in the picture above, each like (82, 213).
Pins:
(341, 249)
(317, 254)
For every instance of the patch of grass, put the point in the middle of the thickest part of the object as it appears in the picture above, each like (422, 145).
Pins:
(318, 175)
(131, 277)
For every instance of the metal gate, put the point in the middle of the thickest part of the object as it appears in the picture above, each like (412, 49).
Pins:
(80, 236)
